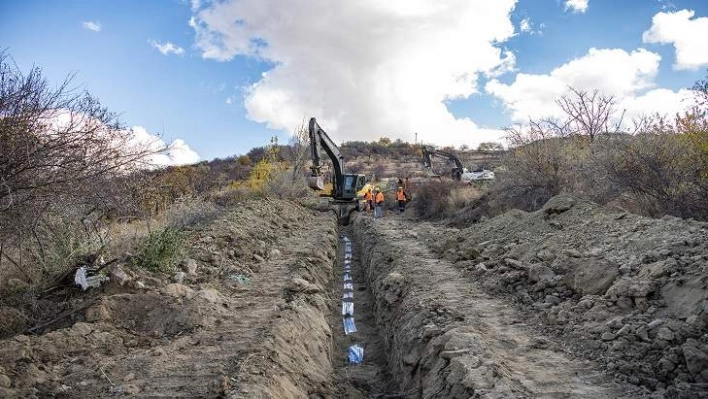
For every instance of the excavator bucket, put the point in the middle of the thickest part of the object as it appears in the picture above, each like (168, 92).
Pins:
(316, 182)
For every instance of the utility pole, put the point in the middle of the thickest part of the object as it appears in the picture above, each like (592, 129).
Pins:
(416, 138)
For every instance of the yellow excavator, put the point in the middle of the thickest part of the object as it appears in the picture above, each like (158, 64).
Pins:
(346, 191)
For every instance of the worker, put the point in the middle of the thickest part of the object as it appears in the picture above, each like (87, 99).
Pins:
(401, 198)
(379, 199)
(369, 197)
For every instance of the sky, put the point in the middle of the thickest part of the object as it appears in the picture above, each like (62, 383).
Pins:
(217, 78)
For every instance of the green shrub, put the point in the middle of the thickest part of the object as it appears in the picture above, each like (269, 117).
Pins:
(160, 250)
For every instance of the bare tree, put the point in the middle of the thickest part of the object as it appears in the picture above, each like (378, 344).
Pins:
(590, 113)
(300, 150)
(60, 151)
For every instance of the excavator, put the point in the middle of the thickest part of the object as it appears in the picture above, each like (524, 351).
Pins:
(348, 190)
(459, 172)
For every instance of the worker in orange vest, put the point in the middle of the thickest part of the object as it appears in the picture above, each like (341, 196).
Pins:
(401, 198)
(369, 197)
(379, 199)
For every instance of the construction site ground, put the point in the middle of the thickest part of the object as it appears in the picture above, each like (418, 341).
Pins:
(572, 301)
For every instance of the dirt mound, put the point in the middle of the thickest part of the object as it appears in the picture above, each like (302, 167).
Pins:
(235, 321)
(629, 291)
(445, 338)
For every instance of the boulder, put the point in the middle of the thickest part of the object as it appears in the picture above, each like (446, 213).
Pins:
(539, 273)
(593, 276)
(696, 359)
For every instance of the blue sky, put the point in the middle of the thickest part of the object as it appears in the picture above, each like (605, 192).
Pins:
(454, 74)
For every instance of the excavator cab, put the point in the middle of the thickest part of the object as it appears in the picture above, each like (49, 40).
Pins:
(352, 185)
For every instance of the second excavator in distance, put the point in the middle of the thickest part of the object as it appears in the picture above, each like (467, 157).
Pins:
(347, 189)
(459, 172)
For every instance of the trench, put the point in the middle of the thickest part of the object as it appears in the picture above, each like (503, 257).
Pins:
(370, 378)
(444, 338)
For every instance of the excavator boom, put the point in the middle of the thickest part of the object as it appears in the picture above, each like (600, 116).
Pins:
(346, 188)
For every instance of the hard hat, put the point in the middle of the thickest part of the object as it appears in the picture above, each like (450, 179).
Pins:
(400, 188)
(377, 188)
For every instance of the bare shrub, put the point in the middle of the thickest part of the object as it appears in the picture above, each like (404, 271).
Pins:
(60, 152)
(286, 184)
(432, 200)
(190, 211)
(662, 170)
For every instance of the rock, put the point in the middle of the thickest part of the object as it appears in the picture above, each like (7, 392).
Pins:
(556, 224)
(608, 336)
(209, 294)
(664, 333)
(515, 264)
(573, 253)
(301, 285)
(481, 267)
(274, 253)
(655, 323)
(625, 269)
(616, 322)
(178, 290)
(552, 299)
(258, 258)
(696, 359)
(119, 276)
(684, 298)
(539, 273)
(5, 381)
(158, 352)
(666, 364)
(593, 276)
(98, 312)
(626, 329)
(545, 255)
(189, 266)
(558, 204)
(642, 334)
(179, 277)
(630, 287)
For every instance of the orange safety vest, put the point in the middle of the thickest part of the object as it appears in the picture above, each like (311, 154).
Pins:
(400, 195)
(379, 197)
(367, 196)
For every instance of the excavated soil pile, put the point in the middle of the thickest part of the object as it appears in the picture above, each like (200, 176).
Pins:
(247, 317)
(629, 291)
(444, 337)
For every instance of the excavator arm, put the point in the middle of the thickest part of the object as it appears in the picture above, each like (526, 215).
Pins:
(346, 187)
(428, 153)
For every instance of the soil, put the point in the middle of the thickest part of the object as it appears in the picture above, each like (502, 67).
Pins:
(572, 301)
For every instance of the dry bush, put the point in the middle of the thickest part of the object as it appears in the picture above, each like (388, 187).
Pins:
(285, 184)
(662, 169)
(190, 211)
(62, 156)
(439, 199)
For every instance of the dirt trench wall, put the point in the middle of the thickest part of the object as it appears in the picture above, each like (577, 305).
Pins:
(423, 333)
(296, 357)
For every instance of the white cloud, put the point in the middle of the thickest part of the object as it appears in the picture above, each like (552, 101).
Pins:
(364, 69)
(229, 100)
(525, 25)
(688, 36)
(576, 6)
(90, 25)
(167, 48)
(177, 153)
(627, 76)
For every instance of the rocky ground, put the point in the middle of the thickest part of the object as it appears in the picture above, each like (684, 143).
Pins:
(574, 300)
(627, 291)
(246, 317)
